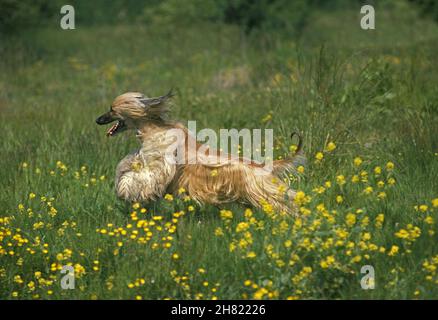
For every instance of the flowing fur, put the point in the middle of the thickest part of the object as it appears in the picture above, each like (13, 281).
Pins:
(148, 174)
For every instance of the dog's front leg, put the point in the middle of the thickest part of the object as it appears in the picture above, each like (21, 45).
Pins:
(143, 181)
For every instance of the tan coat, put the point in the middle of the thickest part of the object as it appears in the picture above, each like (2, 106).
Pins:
(149, 173)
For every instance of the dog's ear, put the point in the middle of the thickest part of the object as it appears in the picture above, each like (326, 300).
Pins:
(153, 102)
(157, 107)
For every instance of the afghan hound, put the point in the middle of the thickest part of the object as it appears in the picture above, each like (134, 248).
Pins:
(207, 175)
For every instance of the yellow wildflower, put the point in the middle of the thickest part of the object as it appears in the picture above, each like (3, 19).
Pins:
(381, 195)
(379, 220)
(390, 166)
(319, 156)
(393, 251)
(242, 226)
(181, 190)
(368, 190)
(219, 232)
(168, 197)
(357, 161)
(428, 220)
(377, 170)
(350, 219)
(340, 179)
(226, 214)
(331, 146)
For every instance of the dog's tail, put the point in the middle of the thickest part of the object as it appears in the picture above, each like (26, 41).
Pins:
(293, 160)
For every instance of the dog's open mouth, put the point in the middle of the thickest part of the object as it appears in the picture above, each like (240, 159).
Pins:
(118, 127)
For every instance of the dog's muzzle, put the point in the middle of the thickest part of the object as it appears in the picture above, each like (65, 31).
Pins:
(105, 119)
(118, 127)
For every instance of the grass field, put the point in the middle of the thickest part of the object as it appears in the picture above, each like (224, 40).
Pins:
(366, 102)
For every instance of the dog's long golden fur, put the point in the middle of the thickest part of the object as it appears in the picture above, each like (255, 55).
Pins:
(148, 174)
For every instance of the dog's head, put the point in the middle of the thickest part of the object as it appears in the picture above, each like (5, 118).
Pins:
(131, 109)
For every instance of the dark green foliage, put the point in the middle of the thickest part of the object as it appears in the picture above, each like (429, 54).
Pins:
(289, 17)
(428, 7)
(16, 14)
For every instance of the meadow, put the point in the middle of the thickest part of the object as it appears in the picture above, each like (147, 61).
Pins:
(366, 103)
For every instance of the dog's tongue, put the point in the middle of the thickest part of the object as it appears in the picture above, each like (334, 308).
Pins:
(112, 129)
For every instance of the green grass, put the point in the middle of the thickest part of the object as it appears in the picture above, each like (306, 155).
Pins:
(372, 93)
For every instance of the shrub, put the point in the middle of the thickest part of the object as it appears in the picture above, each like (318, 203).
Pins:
(427, 7)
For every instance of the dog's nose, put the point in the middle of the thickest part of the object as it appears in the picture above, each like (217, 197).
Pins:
(104, 119)
(99, 120)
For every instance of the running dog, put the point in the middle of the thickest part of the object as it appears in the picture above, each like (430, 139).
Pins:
(207, 175)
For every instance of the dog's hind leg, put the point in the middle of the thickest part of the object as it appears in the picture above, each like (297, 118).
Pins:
(270, 193)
